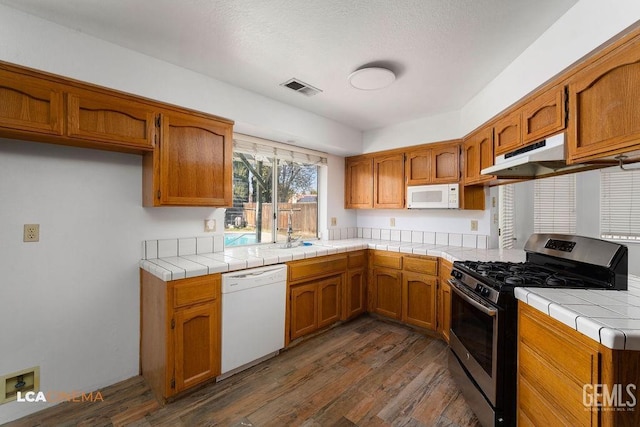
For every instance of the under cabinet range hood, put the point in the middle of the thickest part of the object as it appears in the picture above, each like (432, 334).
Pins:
(546, 157)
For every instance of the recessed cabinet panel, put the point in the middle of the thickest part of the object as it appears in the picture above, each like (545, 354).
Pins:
(419, 300)
(388, 181)
(195, 162)
(544, 116)
(197, 351)
(507, 133)
(30, 104)
(387, 285)
(418, 167)
(604, 100)
(358, 190)
(478, 155)
(98, 117)
(304, 309)
(446, 164)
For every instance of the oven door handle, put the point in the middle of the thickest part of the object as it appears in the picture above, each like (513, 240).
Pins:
(467, 298)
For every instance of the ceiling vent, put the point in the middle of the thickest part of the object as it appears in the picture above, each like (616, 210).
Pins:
(301, 87)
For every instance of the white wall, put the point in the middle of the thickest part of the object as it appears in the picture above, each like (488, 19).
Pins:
(583, 28)
(70, 303)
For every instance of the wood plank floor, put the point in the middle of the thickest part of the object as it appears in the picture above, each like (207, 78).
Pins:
(364, 373)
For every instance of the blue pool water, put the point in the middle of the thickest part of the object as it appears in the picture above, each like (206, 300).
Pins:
(237, 239)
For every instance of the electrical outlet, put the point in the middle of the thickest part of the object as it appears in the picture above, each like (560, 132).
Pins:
(209, 225)
(392, 222)
(31, 233)
(474, 225)
(493, 202)
(334, 221)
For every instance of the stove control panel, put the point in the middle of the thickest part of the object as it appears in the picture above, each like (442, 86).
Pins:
(560, 245)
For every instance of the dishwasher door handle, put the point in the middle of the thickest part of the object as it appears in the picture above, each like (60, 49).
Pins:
(253, 275)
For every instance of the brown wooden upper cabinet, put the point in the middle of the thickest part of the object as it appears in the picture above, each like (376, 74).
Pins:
(436, 164)
(478, 155)
(30, 105)
(604, 105)
(93, 116)
(507, 133)
(388, 181)
(192, 163)
(544, 115)
(358, 193)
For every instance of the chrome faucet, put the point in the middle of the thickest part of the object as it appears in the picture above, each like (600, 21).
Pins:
(289, 232)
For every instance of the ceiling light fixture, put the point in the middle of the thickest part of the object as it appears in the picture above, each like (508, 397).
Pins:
(371, 78)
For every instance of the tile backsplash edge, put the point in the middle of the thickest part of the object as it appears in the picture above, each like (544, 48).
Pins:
(478, 241)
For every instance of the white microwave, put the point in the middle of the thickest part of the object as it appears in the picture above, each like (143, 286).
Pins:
(437, 196)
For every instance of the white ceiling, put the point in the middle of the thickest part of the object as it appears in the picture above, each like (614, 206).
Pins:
(443, 51)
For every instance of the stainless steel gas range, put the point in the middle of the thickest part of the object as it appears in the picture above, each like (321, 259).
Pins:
(484, 314)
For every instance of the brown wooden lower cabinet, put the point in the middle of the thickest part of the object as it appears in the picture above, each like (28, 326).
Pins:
(315, 305)
(419, 300)
(387, 292)
(355, 288)
(179, 332)
(444, 298)
(304, 309)
(566, 378)
(403, 287)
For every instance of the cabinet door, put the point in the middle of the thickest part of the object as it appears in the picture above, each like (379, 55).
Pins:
(387, 293)
(419, 300)
(358, 191)
(445, 164)
(544, 116)
(445, 298)
(418, 167)
(555, 360)
(93, 116)
(388, 181)
(604, 100)
(355, 293)
(30, 104)
(304, 309)
(478, 155)
(197, 344)
(329, 300)
(195, 167)
(507, 133)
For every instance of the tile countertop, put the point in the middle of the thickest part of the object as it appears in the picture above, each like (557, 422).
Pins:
(611, 318)
(239, 258)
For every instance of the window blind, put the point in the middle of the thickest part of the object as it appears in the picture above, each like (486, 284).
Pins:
(507, 215)
(620, 204)
(555, 205)
(263, 149)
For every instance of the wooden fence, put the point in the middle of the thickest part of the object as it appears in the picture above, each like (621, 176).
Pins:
(304, 217)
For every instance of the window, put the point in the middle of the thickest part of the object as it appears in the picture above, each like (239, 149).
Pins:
(272, 185)
(620, 204)
(555, 205)
(507, 215)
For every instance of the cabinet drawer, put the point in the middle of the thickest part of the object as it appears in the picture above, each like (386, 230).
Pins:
(425, 265)
(357, 259)
(195, 290)
(317, 267)
(387, 260)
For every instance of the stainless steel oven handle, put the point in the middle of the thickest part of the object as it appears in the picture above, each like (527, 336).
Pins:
(467, 298)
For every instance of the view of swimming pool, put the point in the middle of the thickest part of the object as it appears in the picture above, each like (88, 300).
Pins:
(238, 239)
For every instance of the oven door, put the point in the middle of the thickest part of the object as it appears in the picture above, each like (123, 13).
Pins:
(474, 338)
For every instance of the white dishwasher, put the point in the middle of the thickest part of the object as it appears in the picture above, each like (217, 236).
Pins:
(253, 316)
